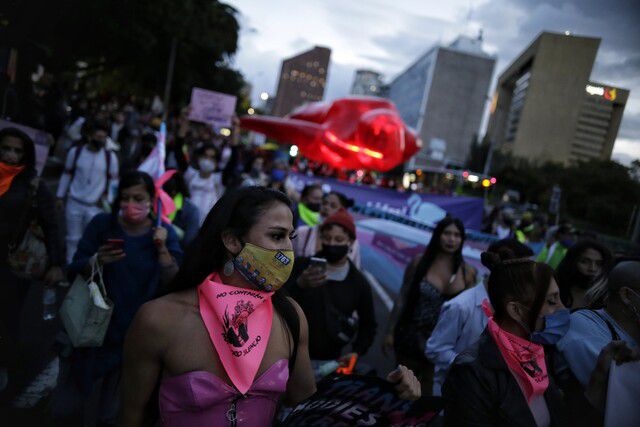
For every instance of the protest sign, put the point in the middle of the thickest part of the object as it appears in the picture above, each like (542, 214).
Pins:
(348, 400)
(213, 108)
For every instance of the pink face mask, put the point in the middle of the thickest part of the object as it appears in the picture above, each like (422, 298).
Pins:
(134, 212)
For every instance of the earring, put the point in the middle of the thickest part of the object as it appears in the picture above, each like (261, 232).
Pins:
(228, 268)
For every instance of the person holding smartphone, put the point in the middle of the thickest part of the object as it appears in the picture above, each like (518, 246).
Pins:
(137, 257)
(330, 289)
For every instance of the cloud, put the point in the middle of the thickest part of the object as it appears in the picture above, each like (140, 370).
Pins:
(389, 36)
(626, 150)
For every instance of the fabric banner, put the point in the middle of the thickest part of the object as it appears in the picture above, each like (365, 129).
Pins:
(42, 141)
(348, 400)
(154, 163)
(213, 108)
(428, 208)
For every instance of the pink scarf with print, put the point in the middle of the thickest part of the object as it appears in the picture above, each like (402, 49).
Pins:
(239, 324)
(524, 358)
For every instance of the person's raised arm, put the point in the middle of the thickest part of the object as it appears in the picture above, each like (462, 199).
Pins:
(141, 368)
(301, 384)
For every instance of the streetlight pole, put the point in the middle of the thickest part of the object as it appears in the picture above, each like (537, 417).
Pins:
(167, 86)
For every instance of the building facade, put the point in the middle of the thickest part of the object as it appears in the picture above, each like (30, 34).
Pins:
(546, 109)
(367, 83)
(442, 96)
(302, 79)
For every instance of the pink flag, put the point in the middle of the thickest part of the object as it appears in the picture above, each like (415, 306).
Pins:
(168, 206)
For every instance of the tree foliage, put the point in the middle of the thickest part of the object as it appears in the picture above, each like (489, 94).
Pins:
(598, 193)
(127, 42)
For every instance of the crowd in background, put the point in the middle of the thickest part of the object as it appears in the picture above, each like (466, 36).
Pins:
(501, 350)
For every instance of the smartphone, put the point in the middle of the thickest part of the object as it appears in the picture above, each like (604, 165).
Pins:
(319, 263)
(116, 243)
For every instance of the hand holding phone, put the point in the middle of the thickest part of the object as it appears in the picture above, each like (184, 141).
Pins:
(318, 263)
(111, 251)
(315, 275)
(116, 243)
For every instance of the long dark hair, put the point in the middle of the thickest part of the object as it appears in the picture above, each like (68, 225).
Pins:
(568, 274)
(237, 211)
(517, 279)
(29, 156)
(128, 180)
(344, 200)
(430, 253)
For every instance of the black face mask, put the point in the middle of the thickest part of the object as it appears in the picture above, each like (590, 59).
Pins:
(315, 207)
(334, 253)
(97, 143)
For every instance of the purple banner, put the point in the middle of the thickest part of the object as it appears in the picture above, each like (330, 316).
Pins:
(427, 208)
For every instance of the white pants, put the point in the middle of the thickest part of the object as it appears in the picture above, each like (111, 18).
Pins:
(78, 216)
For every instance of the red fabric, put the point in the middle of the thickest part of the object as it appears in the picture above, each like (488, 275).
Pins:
(486, 308)
(524, 358)
(7, 173)
(343, 218)
(352, 133)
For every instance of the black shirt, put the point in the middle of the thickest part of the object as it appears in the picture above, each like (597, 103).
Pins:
(349, 295)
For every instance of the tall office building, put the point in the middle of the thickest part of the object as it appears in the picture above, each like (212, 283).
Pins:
(546, 109)
(442, 96)
(302, 79)
(367, 83)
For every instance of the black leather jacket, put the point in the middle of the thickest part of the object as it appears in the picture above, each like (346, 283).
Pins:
(481, 391)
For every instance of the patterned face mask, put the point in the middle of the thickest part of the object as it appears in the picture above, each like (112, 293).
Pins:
(266, 269)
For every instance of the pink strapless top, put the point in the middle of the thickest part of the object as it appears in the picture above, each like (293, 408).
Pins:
(200, 398)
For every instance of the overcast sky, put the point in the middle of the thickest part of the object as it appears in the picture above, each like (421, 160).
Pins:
(387, 36)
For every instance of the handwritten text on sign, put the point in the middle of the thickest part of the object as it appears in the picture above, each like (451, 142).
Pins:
(213, 108)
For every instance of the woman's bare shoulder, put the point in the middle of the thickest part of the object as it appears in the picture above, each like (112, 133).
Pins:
(167, 309)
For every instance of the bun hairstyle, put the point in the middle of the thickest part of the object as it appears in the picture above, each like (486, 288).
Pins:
(516, 279)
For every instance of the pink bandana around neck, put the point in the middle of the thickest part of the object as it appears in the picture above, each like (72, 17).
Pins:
(239, 324)
(524, 358)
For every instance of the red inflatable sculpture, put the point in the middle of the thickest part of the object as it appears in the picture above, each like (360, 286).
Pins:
(352, 133)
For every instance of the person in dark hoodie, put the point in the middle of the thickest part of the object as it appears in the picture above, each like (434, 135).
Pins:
(23, 198)
(330, 296)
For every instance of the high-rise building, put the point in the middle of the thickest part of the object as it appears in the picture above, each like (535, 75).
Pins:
(545, 108)
(302, 79)
(367, 83)
(442, 96)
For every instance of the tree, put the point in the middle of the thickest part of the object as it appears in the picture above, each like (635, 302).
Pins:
(599, 194)
(126, 43)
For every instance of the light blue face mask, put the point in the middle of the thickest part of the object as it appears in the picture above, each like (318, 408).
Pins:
(556, 325)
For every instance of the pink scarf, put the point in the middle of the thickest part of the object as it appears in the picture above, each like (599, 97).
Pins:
(524, 358)
(239, 324)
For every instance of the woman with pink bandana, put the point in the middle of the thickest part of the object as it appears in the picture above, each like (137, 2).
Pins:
(225, 343)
